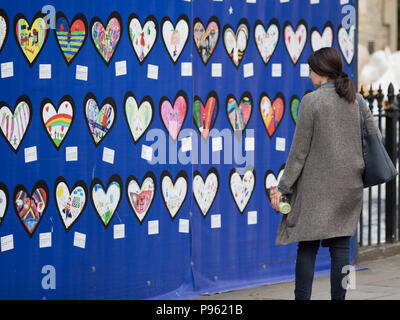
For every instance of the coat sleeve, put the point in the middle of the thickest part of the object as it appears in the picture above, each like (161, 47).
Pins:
(369, 119)
(300, 147)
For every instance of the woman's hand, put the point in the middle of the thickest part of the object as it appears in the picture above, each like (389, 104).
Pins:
(276, 199)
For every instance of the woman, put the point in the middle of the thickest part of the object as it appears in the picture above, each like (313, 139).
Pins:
(323, 174)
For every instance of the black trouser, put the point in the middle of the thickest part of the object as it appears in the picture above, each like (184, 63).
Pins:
(339, 249)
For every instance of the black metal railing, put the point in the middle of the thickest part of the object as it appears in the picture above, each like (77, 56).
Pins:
(379, 221)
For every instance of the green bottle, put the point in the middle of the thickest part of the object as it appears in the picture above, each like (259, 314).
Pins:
(284, 205)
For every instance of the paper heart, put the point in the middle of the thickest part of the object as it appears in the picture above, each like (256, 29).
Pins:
(174, 192)
(346, 42)
(4, 28)
(31, 38)
(271, 182)
(242, 188)
(106, 40)
(106, 203)
(236, 43)
(206, 191)
(57, 122)
(141, 196)
(142, 38)
(294, 108)
(205, 39)
(295, 41)
(175, 38)
(272, 113)
(4, 201)
(319, 41)
(100, 122)
(70, 38)
(139, 118)
(173, 117)
(266, 40)
(14, 125)
(239, 113)
(204, 116)
(70, 204)
(30, 208)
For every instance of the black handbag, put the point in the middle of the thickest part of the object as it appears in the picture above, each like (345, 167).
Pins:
(379, 168)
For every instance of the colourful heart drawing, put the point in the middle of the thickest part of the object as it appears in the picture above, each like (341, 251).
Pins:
(242, 188)
(204, 116)
(4, 201)
(205, 192)
(346, 42)
(106, 40)
(70, 38)
(271, 182)
(174, 192)
(4, 28)
(323, 40)
(294, 108)
(175, 38)
(266, 40)
(142, 38)
(57, 122)
(239, 113)
(31, 38)
(14, 125)
(138, 118)
(100, 122)
(106, 203)
(205, 39)
(173, 117)
(30, 208)
(141, 196)
(236, 43)
(295, 41)
(272, 113)
(70, 204)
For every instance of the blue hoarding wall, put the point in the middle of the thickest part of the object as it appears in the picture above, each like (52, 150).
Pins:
(141, 140)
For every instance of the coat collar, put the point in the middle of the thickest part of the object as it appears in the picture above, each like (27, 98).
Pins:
(328, 84)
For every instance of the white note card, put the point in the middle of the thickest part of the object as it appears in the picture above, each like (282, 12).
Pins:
(7, 69)
(30, 154)
(276, 70)
(304, 70)
(152, 72)
(284, 1)
(120, 68)
(71, 154)
(82, 73)
(108, 155)
(342, 2)
(45, 71)
(119, 231)
(280, 144)
(186, 144)
(45, 240)
(248, 70)
(184, 225)
(252, 217)
(249, 144)
(152, 227)
(215, 221)
(314, 1)
(216, 70)
(7, 243)
(147, 153)
(186, 69)
(216, 144)
(251, 1)
(79, 240)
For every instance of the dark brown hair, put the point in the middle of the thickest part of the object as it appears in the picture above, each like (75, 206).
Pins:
(328, 62)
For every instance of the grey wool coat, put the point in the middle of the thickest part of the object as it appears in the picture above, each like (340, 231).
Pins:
(323, 172)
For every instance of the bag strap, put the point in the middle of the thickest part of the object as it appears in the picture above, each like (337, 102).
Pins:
(362, 116)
